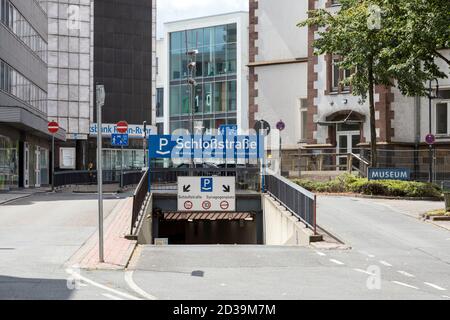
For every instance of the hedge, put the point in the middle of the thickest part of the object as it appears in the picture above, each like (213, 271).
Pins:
(351, 184)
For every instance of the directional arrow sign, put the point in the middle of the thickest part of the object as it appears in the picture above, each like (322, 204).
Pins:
(207, 194)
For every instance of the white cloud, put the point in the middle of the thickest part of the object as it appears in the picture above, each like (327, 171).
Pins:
(173, 10)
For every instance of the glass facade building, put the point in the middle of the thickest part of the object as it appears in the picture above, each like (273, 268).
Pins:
(215, 97)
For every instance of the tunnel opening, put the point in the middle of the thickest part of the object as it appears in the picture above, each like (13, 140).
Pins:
(238, 228)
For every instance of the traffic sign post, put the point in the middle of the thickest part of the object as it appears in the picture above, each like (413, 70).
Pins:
(281, 126)
(207, 194)
(100, 102)
(122, 141)
(53, 128)
(430, 139)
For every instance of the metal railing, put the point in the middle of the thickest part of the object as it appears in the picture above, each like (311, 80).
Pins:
(86, 177)
(140, 197)
(166, 178)
(299, 201)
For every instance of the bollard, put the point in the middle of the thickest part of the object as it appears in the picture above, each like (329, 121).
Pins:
(447, 201)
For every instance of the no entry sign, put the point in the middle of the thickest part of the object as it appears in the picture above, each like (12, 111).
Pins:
(122, 127)
(53, 127)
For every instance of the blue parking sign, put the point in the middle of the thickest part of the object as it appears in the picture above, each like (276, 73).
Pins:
(207, 184)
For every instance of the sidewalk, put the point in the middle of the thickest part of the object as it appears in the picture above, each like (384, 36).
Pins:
(415, 209)
(118, 250)
(8, 196)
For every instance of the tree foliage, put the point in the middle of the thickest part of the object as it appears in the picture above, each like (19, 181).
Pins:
(404, 49)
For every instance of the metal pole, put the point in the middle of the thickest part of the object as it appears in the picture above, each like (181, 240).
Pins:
(430, 179)
(53, 162)
(121, 167)
(281, 157)
(100, 182)
(145, 143)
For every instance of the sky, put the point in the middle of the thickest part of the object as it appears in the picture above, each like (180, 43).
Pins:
(172, 10)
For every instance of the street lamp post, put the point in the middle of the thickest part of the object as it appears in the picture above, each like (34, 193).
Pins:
(430, 123)
(192, 67)
(100, 102)
(145, 144)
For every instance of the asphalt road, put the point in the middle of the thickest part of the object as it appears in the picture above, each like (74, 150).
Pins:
(393, 256)
(37, 236)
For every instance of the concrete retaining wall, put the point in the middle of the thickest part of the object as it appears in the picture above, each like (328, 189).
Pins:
(281, 228)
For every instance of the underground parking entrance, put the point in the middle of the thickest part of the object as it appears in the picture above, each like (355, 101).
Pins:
(243, 227)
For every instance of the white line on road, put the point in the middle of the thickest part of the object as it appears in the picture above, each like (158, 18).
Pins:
(337, 262)
(129, 280)
(363, 271)
(386, 264)
(110, 296)
(405, 285)
(367, 254)
(435, 286)
(78, 276)
(406, 274)
(321, 254)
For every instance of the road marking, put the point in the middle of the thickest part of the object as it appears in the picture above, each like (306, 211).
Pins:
(367, 254)
(435, 286)
(406, 274)
(129, 280)
(337, 262)
(98, 285)
(110, 296)
(405, 285)
(386, 264)
(321, 254)
(363, 271)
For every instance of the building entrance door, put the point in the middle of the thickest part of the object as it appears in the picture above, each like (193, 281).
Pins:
(37, 168)
(347, 143)
(26, 166)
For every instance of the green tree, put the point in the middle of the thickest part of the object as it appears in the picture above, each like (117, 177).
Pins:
(385, 42)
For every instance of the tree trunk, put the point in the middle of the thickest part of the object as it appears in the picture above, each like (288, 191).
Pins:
(373, 130)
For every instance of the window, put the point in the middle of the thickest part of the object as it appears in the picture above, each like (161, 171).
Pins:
(159, 102)
(303, 119)
(12, 19)
(17, 85)
(443, 118)
(338, 75)
(335, 76)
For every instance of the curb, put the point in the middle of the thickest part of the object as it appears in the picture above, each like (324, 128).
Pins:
(355, 195)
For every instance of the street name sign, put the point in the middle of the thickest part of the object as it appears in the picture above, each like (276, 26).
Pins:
(207, 194)
(401, 174)
(206, 147)
(119, 140)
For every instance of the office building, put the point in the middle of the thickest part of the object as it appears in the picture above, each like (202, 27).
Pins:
(25, 144)
(221, 90)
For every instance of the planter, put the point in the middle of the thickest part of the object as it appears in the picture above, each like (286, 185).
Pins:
(447, 201)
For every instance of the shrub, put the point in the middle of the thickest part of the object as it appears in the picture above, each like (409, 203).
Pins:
(390, 188)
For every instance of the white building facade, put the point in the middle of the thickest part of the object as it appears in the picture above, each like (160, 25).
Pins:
(221, 93)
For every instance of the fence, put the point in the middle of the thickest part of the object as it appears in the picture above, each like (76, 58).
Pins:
(299, 201)
(68, 178)
(140, 197)
(418, 161)
(166, 179)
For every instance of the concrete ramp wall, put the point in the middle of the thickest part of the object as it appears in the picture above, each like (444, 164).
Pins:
(281, 228)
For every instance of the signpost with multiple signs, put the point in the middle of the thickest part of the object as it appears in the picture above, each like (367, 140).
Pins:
(53, 128)
(207, 194)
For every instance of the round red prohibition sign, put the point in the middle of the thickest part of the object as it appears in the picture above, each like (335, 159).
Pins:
(224, 205)
(53, 127)
(206, 205)
(188, 205)
(122, 127)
